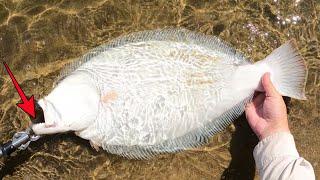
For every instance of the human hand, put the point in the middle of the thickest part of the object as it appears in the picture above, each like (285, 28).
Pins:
(267, 113)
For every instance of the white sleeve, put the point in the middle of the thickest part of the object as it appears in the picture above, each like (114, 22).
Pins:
(276, 157)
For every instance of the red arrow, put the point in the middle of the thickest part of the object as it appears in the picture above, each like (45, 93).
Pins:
(27, 105)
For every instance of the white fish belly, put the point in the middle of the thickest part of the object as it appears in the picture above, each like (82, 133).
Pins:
(161, 91)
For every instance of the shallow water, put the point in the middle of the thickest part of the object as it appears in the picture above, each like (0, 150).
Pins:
(37, 38)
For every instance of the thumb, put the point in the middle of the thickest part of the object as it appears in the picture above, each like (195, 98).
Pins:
(268, 86)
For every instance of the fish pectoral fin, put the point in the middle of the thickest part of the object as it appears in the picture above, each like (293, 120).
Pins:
(42, 128)
(109, 96)
(95, 146)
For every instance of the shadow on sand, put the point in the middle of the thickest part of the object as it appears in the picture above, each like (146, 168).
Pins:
(243, 141)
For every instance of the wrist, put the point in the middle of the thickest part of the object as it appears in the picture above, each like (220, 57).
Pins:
(268, 132)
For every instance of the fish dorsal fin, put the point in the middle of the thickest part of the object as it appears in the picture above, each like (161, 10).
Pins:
(167, 34)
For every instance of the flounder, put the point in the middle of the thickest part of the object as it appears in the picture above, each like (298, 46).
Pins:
(162, 91)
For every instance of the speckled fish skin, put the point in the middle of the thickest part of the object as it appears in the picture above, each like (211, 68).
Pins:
(161, 91)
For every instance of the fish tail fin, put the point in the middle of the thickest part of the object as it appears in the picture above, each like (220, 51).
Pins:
(288, 70)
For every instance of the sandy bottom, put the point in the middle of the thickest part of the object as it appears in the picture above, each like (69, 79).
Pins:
(37, 38)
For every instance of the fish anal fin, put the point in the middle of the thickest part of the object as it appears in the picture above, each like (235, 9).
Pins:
(190, 140)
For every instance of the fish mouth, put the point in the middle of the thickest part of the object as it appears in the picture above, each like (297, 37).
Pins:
(47, 123)
(49, 126)
(43, 128)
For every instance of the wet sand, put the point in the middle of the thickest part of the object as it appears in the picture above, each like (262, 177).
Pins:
(38, 38)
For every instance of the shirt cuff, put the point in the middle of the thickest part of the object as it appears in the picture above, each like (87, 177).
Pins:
(277, 145)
